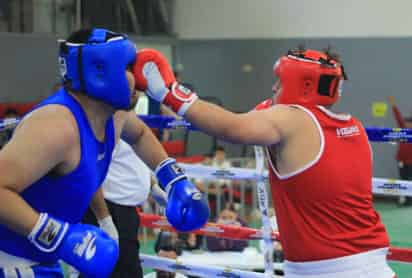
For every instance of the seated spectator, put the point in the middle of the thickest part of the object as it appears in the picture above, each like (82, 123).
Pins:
(168, 241)
(169, 246)
(228, 216)
(190, 241)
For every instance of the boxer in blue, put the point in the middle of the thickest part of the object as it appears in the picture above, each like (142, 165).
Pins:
(60, 153)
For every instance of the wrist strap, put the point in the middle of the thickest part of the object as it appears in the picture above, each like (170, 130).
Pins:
(167, 173)
(180, 98)
(48, 232)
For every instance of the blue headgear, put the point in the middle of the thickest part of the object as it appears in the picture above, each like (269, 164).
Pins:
(98, 67)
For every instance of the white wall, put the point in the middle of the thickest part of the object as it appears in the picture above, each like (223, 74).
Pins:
(208, 19)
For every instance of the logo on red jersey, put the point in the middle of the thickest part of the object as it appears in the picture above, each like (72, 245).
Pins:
(348, 131)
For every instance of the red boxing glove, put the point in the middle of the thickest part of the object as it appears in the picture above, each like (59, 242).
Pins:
(154, 75)
(147, 55)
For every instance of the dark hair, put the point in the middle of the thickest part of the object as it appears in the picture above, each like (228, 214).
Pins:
(80, 36)
(230, 206)
(219, 148)
(166, 243)
(11, 111)
(329, 52)
(83, 35)
(332, 56)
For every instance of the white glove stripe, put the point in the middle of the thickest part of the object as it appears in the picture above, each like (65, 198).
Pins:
(152, 74)
(26, 272)
(10, 273)
(43, 218)
(38, 225)
(169, 185)
(163, 163)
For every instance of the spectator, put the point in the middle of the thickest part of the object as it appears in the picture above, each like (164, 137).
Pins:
(219, 158)
(228, 216)
(190, 241)
(169, 246)
(404, 154)
(168, 241)
(216, 188)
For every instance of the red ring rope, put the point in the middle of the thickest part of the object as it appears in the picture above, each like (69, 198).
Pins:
(399, 254)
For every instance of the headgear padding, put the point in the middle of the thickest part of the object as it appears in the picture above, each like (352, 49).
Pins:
(309, 77)
(98, 67)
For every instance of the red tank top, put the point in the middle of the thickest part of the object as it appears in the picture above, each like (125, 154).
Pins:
(325, 210)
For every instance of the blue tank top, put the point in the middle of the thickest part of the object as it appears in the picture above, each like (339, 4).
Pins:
(65, 197)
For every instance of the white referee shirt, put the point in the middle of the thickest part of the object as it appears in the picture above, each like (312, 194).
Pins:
(128, 180)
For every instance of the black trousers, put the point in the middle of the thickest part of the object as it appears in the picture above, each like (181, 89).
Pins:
(127, 223)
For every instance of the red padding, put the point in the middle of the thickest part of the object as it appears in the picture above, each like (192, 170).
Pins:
(190, 159)
(399, 254)
(210, 229)
(21, 108)
(174, 148)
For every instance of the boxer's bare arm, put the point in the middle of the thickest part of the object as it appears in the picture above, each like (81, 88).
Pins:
(264, 127)
(40, 143)
(98, 205)
(141, 138)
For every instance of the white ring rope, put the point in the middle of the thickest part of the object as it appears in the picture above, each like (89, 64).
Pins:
(264, 210)
(231, 173)
(6, 124)
(391, 187)
(196, 270)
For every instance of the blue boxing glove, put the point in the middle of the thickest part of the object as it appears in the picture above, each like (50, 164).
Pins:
(85, 247)
(187, 207)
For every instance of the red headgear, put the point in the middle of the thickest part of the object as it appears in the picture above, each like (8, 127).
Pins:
(309, 77)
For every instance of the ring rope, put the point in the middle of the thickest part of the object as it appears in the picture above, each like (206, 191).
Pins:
(392, 187)
(263, 204)
(171, 265)
(399, 254)
(375, 134)
(210, 229)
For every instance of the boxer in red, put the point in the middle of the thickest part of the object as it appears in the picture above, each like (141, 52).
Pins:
(320, 161)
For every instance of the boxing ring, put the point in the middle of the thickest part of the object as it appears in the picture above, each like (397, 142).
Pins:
(387, 187)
